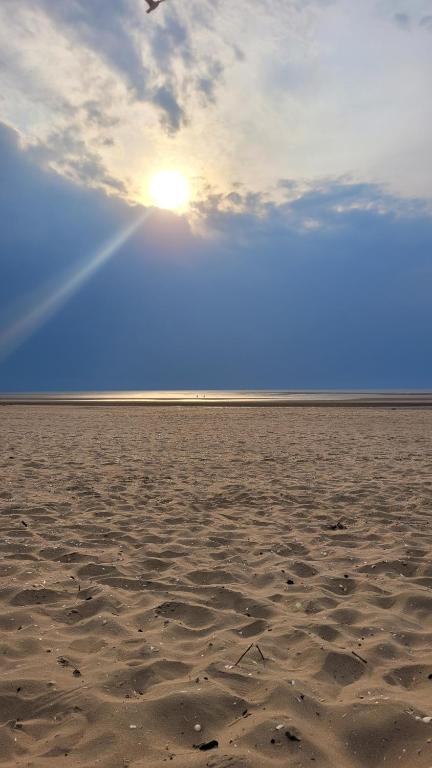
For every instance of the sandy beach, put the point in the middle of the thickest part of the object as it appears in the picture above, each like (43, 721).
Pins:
(144, 550)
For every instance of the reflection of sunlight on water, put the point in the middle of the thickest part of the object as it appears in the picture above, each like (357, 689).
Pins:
(40, 309)
(222, 397)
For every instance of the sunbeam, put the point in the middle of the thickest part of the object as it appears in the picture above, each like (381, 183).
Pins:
(39, 311)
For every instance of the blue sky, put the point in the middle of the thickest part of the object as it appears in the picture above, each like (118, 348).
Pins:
(304, 259)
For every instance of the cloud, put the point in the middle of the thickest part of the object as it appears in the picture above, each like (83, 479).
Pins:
(426, 22)
(305, 90)
(402, 20)
(173, 114)
(95, 115)
(170, 40)
(107, 27)
(67, 153)
(328, 206)
(210, 80)
(114, 29)
(171, 43)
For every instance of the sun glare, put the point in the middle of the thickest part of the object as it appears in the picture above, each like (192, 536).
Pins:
(170, 189)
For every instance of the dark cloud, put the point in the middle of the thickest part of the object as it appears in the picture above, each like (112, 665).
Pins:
(106, 26)
(170, 41)
(96, 115)
(330, 206)
(402, 20)
(109, 27)
(238, 53)
(69, 153)
(210, 80)
(265, 305)
(236, 198)
(173, 116)
(426, 22)
(112, 28)
(329, 197)
(289, 184)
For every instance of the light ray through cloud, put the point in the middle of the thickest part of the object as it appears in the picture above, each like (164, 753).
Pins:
(38, 311)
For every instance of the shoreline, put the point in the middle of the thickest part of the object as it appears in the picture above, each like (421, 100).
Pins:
(338, 400)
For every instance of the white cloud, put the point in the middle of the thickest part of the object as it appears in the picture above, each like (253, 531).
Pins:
(229, 92)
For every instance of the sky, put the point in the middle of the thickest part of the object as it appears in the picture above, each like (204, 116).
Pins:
(304, 256)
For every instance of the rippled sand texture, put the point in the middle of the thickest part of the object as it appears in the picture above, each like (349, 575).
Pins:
(144, 550)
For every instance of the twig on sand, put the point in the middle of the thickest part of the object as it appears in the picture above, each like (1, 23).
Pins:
(260, 651)
(357, 655)
(243, 716)
(243, 655)
(252, 645)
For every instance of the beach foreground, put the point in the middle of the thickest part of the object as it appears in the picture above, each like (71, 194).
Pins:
(145, 550)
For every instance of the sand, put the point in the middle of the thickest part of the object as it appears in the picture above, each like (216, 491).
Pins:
(145, 549)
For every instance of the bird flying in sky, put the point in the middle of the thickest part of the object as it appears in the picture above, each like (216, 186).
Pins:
(153, 4)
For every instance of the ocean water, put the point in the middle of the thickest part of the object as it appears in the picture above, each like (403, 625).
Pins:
(224, 398)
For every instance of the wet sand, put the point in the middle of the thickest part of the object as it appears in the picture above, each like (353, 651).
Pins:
(145, 549)
(228, 398)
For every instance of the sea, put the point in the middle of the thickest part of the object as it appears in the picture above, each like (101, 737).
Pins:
(209, 397)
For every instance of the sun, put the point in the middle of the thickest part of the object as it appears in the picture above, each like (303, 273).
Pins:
(170, 189)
